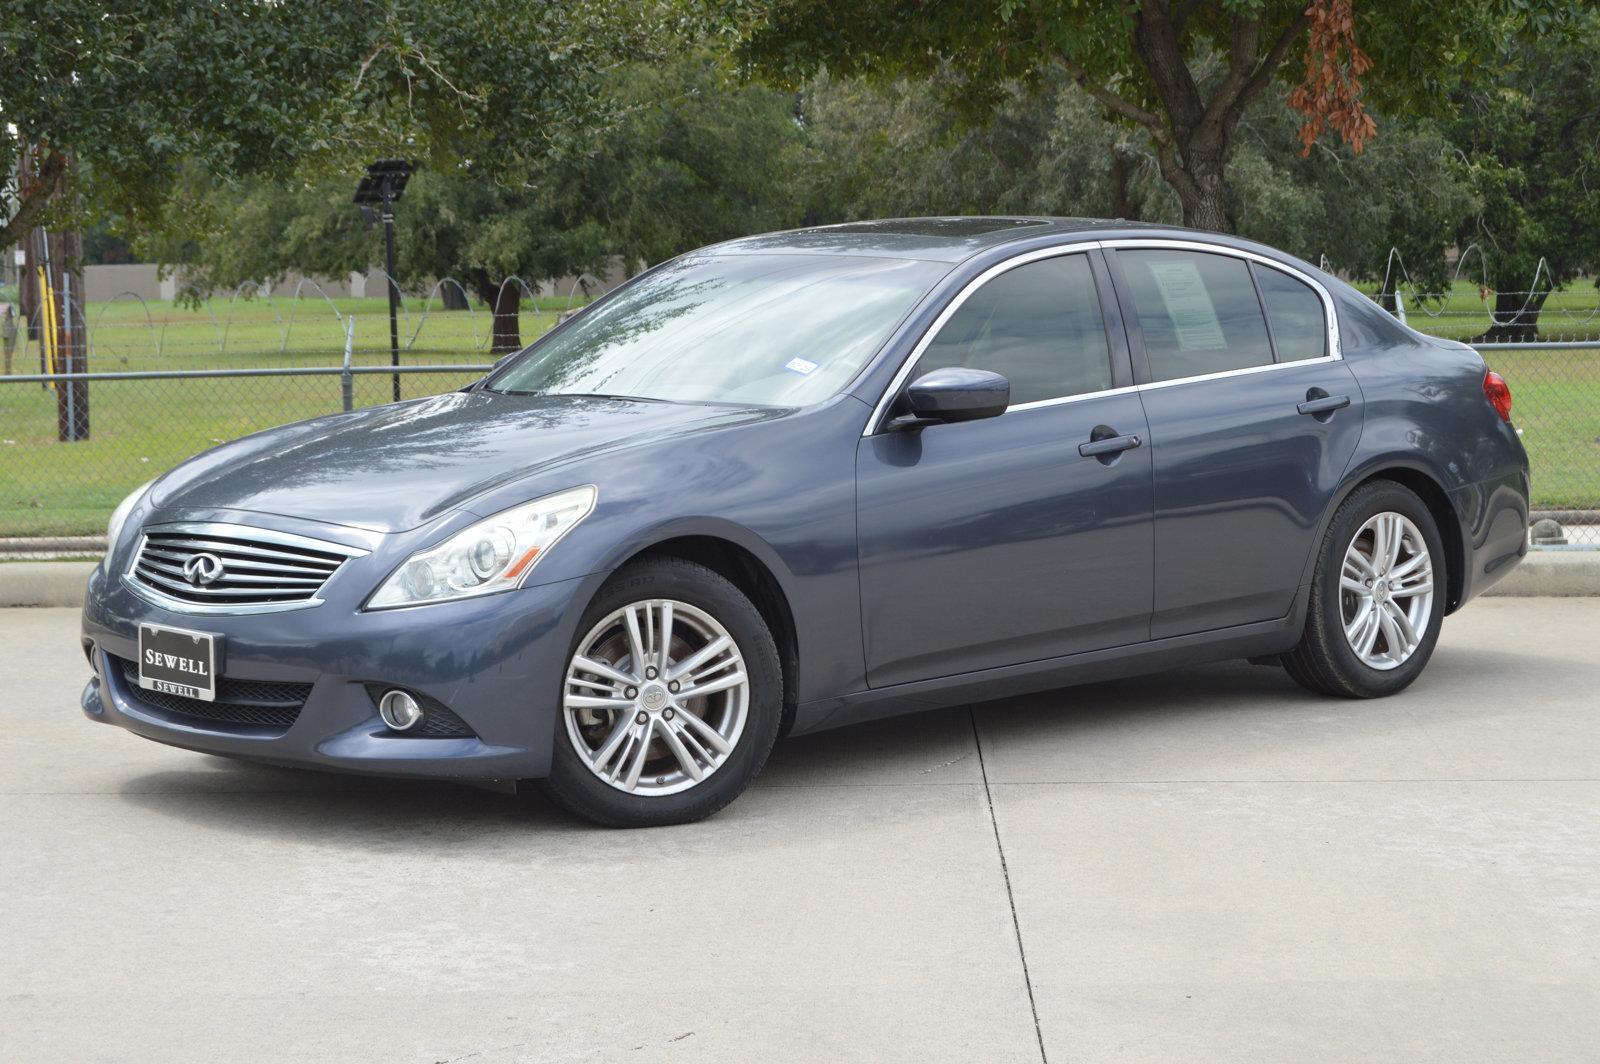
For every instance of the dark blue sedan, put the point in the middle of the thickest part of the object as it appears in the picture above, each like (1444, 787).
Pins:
(811, 478)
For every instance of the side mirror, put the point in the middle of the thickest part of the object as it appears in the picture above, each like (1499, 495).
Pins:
(953, 394)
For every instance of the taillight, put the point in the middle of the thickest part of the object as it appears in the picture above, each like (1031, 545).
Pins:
(1498, 392)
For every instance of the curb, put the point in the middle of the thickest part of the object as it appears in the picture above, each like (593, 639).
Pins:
(43, 583)
(1557, 574)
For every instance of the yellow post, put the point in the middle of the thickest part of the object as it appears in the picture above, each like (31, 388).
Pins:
(47, 327)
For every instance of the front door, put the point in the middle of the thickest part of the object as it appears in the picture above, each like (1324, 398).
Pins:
(996, 542)
(1253, 420)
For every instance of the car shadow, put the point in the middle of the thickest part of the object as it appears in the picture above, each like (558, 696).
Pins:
(931, 747)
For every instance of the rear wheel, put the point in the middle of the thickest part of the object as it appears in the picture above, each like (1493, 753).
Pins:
(671, 700)
(1377, 597)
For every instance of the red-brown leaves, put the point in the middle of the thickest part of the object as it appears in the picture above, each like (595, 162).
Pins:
(1330, 95)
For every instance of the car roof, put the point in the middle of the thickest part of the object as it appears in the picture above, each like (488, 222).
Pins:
(942, 239)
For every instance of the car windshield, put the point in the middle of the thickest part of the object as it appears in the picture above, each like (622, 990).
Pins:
(762, 329)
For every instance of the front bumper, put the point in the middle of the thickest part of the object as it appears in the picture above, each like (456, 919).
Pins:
(495, 661)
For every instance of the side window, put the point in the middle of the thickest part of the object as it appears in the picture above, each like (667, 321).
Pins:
(1037, 325)
(1294, 311)
(1198, 312)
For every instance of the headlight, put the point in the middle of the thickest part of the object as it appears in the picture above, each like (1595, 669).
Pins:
(495, 554)
(119, 516)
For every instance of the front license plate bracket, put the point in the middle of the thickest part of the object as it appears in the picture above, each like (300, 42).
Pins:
(177, 661)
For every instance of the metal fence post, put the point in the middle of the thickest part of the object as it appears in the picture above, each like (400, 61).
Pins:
(347, 380)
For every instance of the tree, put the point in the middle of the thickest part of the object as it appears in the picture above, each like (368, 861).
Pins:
(694, 158)
(885, 149)
(688, 159)
(899, 148)
(111, 99)
(1409, 190)
(1530, 125)
(1183, 71)
(479, 232)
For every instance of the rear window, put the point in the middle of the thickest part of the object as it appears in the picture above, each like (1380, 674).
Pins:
(1198, 312)
(1294, 311)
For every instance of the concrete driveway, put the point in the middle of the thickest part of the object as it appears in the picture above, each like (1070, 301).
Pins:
(1207, 865)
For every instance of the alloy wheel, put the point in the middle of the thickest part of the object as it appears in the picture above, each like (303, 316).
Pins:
(656, 697)
(1386, 590)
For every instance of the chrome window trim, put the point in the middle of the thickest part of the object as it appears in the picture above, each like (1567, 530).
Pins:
(269, 536)
(1330, 319)
(1038, 404)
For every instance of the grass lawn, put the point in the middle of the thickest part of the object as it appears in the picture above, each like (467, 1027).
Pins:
(141, 428)
(1556, 404)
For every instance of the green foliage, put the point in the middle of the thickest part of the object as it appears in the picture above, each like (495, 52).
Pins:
(688, 159)
(899, 149)
(694, 158)
(1530, 125)
(113, 98)
(1183, 72)
(1415, 44)
(903, 148)
(1409, 189)
(473, 229)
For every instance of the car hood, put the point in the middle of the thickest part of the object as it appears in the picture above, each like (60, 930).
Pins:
(393, 468)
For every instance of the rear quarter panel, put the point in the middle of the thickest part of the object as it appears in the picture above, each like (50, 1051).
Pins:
(1426, 412)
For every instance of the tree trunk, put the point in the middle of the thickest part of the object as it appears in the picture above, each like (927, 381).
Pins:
(506, 300)
(72, 397)
(1192, 134)
(1202, 187)
(453, 298)
(28, 292)
(1516, 317)
(1122, 206)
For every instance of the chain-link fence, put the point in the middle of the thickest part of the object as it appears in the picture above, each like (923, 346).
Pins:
(166, 383)
(1485, 316)
(55, 497)
(1555, 388)
(123, 389)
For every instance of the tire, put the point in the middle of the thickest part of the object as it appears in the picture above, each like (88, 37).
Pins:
(1325, 660)
(607, 713)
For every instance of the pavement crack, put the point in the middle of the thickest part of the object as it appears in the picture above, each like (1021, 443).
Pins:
(945, 764)
(1005, 874)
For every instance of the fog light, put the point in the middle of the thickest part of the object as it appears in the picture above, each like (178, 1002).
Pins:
(399, 710)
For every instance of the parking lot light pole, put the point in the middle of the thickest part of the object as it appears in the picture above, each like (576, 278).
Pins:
(385, 181)
(394, 289)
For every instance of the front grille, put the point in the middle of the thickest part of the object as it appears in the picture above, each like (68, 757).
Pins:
(268, 703)
(234, 567)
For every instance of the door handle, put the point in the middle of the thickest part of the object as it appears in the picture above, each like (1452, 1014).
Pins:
(1108, 445)
(1323, 404)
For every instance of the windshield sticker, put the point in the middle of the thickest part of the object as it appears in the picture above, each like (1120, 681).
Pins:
(1194, 318)
(800, 365)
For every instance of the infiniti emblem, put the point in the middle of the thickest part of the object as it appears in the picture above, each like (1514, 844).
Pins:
(203, 569)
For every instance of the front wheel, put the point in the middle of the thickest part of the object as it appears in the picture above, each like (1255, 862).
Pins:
(1377, 597)
(671, 700)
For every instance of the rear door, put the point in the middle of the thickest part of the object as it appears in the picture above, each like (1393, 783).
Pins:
(996, 542)
(1253, 420)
